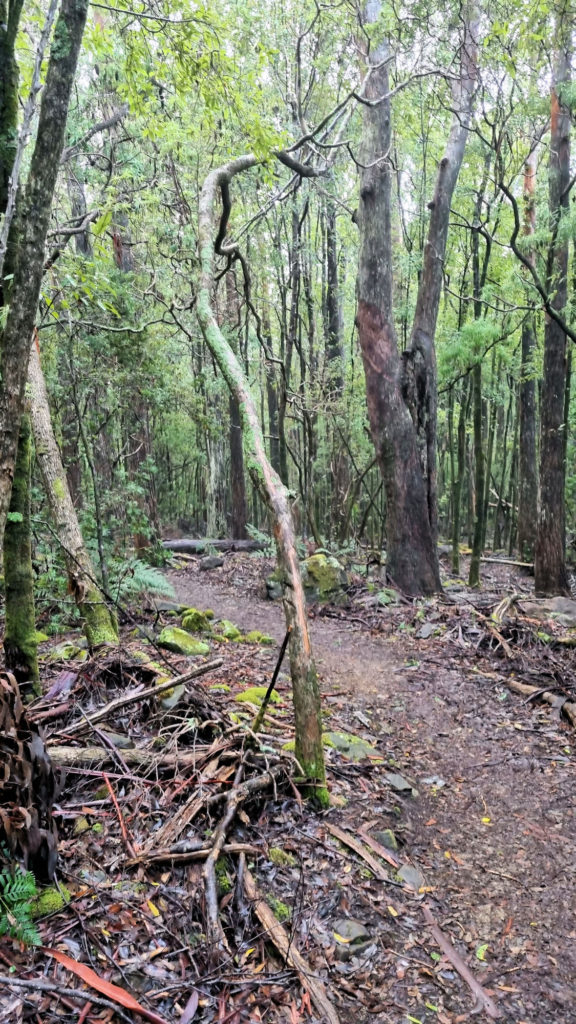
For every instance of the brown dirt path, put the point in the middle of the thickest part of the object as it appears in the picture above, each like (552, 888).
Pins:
(493, 826)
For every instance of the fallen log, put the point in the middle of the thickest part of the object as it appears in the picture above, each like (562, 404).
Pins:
(77, 756)
(199, 546)
(560, 703)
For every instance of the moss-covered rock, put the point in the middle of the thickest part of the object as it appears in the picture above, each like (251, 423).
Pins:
(255, 695)
(228, 630)
(281, 858)
(195, 621)
(68, 651)
(352, 747)
(256, 637)
(50, 901)
(323, 577)
(181, 642)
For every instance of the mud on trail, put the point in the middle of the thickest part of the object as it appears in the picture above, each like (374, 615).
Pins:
(489, 825)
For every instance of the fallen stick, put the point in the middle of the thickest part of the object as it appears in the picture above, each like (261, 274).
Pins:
(554, 699)
(280, 938)
(214, 931)
(134, 696)
(483, 1000)
(73, 756)
(508, 561)
(386, 855)
(180, 855)
(353, 843)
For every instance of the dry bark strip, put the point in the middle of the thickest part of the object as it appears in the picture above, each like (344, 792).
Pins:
(134, 696)
(214, 931)
(280, 938)
(554, 699)
(483, 1000)
(344, 837)
(181, 853)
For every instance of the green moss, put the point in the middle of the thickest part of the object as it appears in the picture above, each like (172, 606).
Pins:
(228, 630)
(280, 910)
(255, 695)
(222, 877)
(50, 901)
(195, 621)
(219, 688)
(353, 747)
(281, 858)
(100, 625)
(180, 641)
(256, 637)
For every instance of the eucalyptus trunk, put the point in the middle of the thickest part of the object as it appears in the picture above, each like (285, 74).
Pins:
(527, 464)
(551, 576)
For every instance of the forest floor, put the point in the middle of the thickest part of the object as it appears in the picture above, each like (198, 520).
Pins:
(492, 827)
(469, 918)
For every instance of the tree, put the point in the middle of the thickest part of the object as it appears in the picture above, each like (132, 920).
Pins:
(28, 232)
(401, 390)
(550, 559)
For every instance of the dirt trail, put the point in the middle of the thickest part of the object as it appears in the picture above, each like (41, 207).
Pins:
(493, 826)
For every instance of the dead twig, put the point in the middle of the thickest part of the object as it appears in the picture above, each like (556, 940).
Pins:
(214, 930)
(344, 837)
(483, 1000)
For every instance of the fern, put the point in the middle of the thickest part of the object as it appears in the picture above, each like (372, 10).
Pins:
(17, 891)
(129, 579)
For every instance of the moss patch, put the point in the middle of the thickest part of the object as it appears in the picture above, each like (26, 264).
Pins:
(256, 637)
(195, 621)
(255, 695)
(180, 641)
(352, 747)
(281, 858)
(50, 901)
(280, 910)
(228, 630)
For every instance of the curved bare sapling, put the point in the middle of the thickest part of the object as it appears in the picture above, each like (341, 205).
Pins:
(306, 694)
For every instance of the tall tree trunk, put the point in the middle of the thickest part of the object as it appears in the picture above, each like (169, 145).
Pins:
(550, 563)
(306, 695)
(527, 465)
(99, 621)
(28, 235)
(420, 359)
(412, 561)
(20, 645)
(239, 515)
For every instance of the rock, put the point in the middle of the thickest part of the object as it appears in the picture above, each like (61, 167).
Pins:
(68, 651)
(228, 630)
(426, 631)
(210, 562)
(154, 604)
(180, 641)
(118, 739)
(387, 596)
(399, 783)
(387, 838)
(559, 609)
(412, 876)
(352, 938)
(195, 621)
(353, 747)
(324, 578)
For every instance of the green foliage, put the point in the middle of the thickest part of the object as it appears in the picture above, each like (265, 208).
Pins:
(17, 893)
(131, 578)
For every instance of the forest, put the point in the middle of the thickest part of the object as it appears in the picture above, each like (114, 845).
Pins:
(287, 511)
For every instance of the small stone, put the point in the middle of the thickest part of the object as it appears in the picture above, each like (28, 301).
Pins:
(347, 931)
(210, 562)
(412, 876)
(228, 630)
(399, 783)
(387, 838)
(353, 747)
(426, 631)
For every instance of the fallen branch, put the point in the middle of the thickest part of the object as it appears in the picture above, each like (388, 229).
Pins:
(74, 756)
(181, 853)
(556, 701)
(137, 695)
(40, 985)
(280, 938)
(214, 931)
(483, 1000)
(508, 561)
